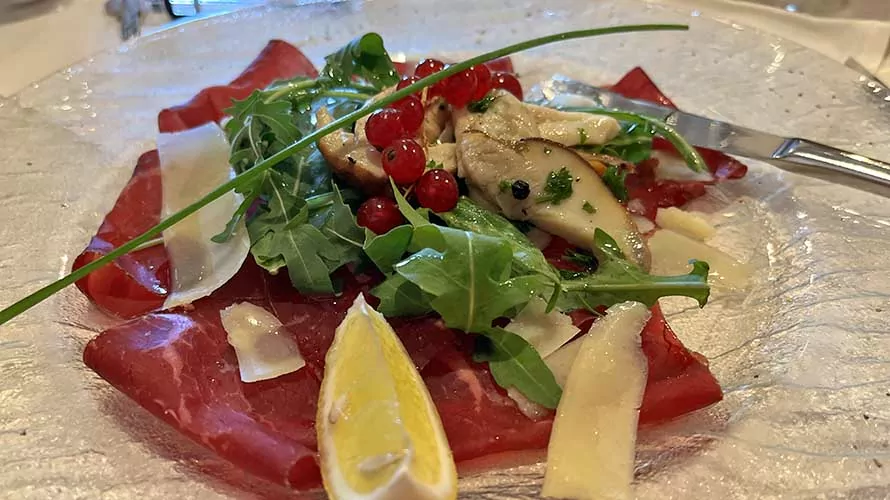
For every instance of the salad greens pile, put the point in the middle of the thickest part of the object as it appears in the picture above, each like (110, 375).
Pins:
(470, 266)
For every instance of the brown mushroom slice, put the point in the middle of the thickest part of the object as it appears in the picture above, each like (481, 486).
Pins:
(570, 219)
(355, 161)
(485, 163)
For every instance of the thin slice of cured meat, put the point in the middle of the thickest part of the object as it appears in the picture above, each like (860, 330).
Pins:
(653, 193)
(137, 283)
(179, 366)
(279, 60)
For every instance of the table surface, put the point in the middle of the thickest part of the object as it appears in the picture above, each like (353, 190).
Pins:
(71, 30)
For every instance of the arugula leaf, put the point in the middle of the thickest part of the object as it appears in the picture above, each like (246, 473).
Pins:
(690, 155)
(633, 144)
(340, 223)
(469, 278)
(617, 280)
(365, 57)
(614, 178)
(557, 188)
(527, 258)
(515, 363)
(386, 250)
(400, 297)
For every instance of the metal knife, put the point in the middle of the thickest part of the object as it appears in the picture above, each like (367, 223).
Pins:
(189, 8)
(725, 137)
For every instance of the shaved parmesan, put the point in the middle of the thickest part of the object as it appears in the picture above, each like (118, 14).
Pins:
(560, 362)
(685, 223)
(674, 168)
(193, 163)
(591, 450)
(264, 349)
(546, 332)
(672, 251)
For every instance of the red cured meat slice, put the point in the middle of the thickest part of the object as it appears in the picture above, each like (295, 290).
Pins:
(642, 185)
(137, 283)
(179, 367)
(678, 378)
(277, 61)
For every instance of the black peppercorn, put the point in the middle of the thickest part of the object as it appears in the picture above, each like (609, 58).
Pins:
(520, 189)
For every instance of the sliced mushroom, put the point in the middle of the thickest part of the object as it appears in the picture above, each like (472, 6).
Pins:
(486, 162)
(354, 160)
(509, 119)
(569, 218)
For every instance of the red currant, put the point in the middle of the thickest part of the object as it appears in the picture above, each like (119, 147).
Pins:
(427, 67)
(404, 161)
(408, 80)
(483, 81)
(459, 88)
(437, 190)
(379, 214)
(508, 82)
(411, 111)
(384, 127)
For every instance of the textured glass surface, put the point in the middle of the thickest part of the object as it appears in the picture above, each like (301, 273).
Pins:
(804, 355)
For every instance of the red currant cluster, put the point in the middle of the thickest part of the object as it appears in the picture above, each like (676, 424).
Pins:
(392, 130)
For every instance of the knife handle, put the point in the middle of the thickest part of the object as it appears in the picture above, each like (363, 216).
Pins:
(813, 154)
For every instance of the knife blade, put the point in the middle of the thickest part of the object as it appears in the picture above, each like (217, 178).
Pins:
(713, 134)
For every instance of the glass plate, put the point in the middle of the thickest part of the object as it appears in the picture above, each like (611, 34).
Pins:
(804, 355)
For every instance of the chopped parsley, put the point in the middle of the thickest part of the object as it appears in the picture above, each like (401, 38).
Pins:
(433, 164)
(588, 207)
(505, 185)
(557, 188)
(582, 136)
(482, 105)
(614, 178)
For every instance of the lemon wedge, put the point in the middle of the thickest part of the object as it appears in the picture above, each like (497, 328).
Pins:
(379, 435)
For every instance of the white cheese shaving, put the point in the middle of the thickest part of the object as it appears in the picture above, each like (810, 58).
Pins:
(546, 332)
(671, 252)
(193, 163)
(685, 223)
(673, 168)
(264, 349)
(644, 225)
(591, 450)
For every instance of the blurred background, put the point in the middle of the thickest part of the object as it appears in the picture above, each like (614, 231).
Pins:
(39, 37)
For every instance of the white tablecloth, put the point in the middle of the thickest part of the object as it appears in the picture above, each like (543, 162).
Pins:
(37, 47)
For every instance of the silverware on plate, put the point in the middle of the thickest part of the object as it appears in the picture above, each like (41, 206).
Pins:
(725, 137)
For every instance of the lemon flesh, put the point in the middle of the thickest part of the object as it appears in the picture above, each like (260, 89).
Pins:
(379, 435)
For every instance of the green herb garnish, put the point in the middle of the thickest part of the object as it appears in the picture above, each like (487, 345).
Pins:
(614, 178)
(633, 144)
(582, 136)
(557, 188)
(482, 105)
(587, 207)
(692, 157)
(505, 185)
